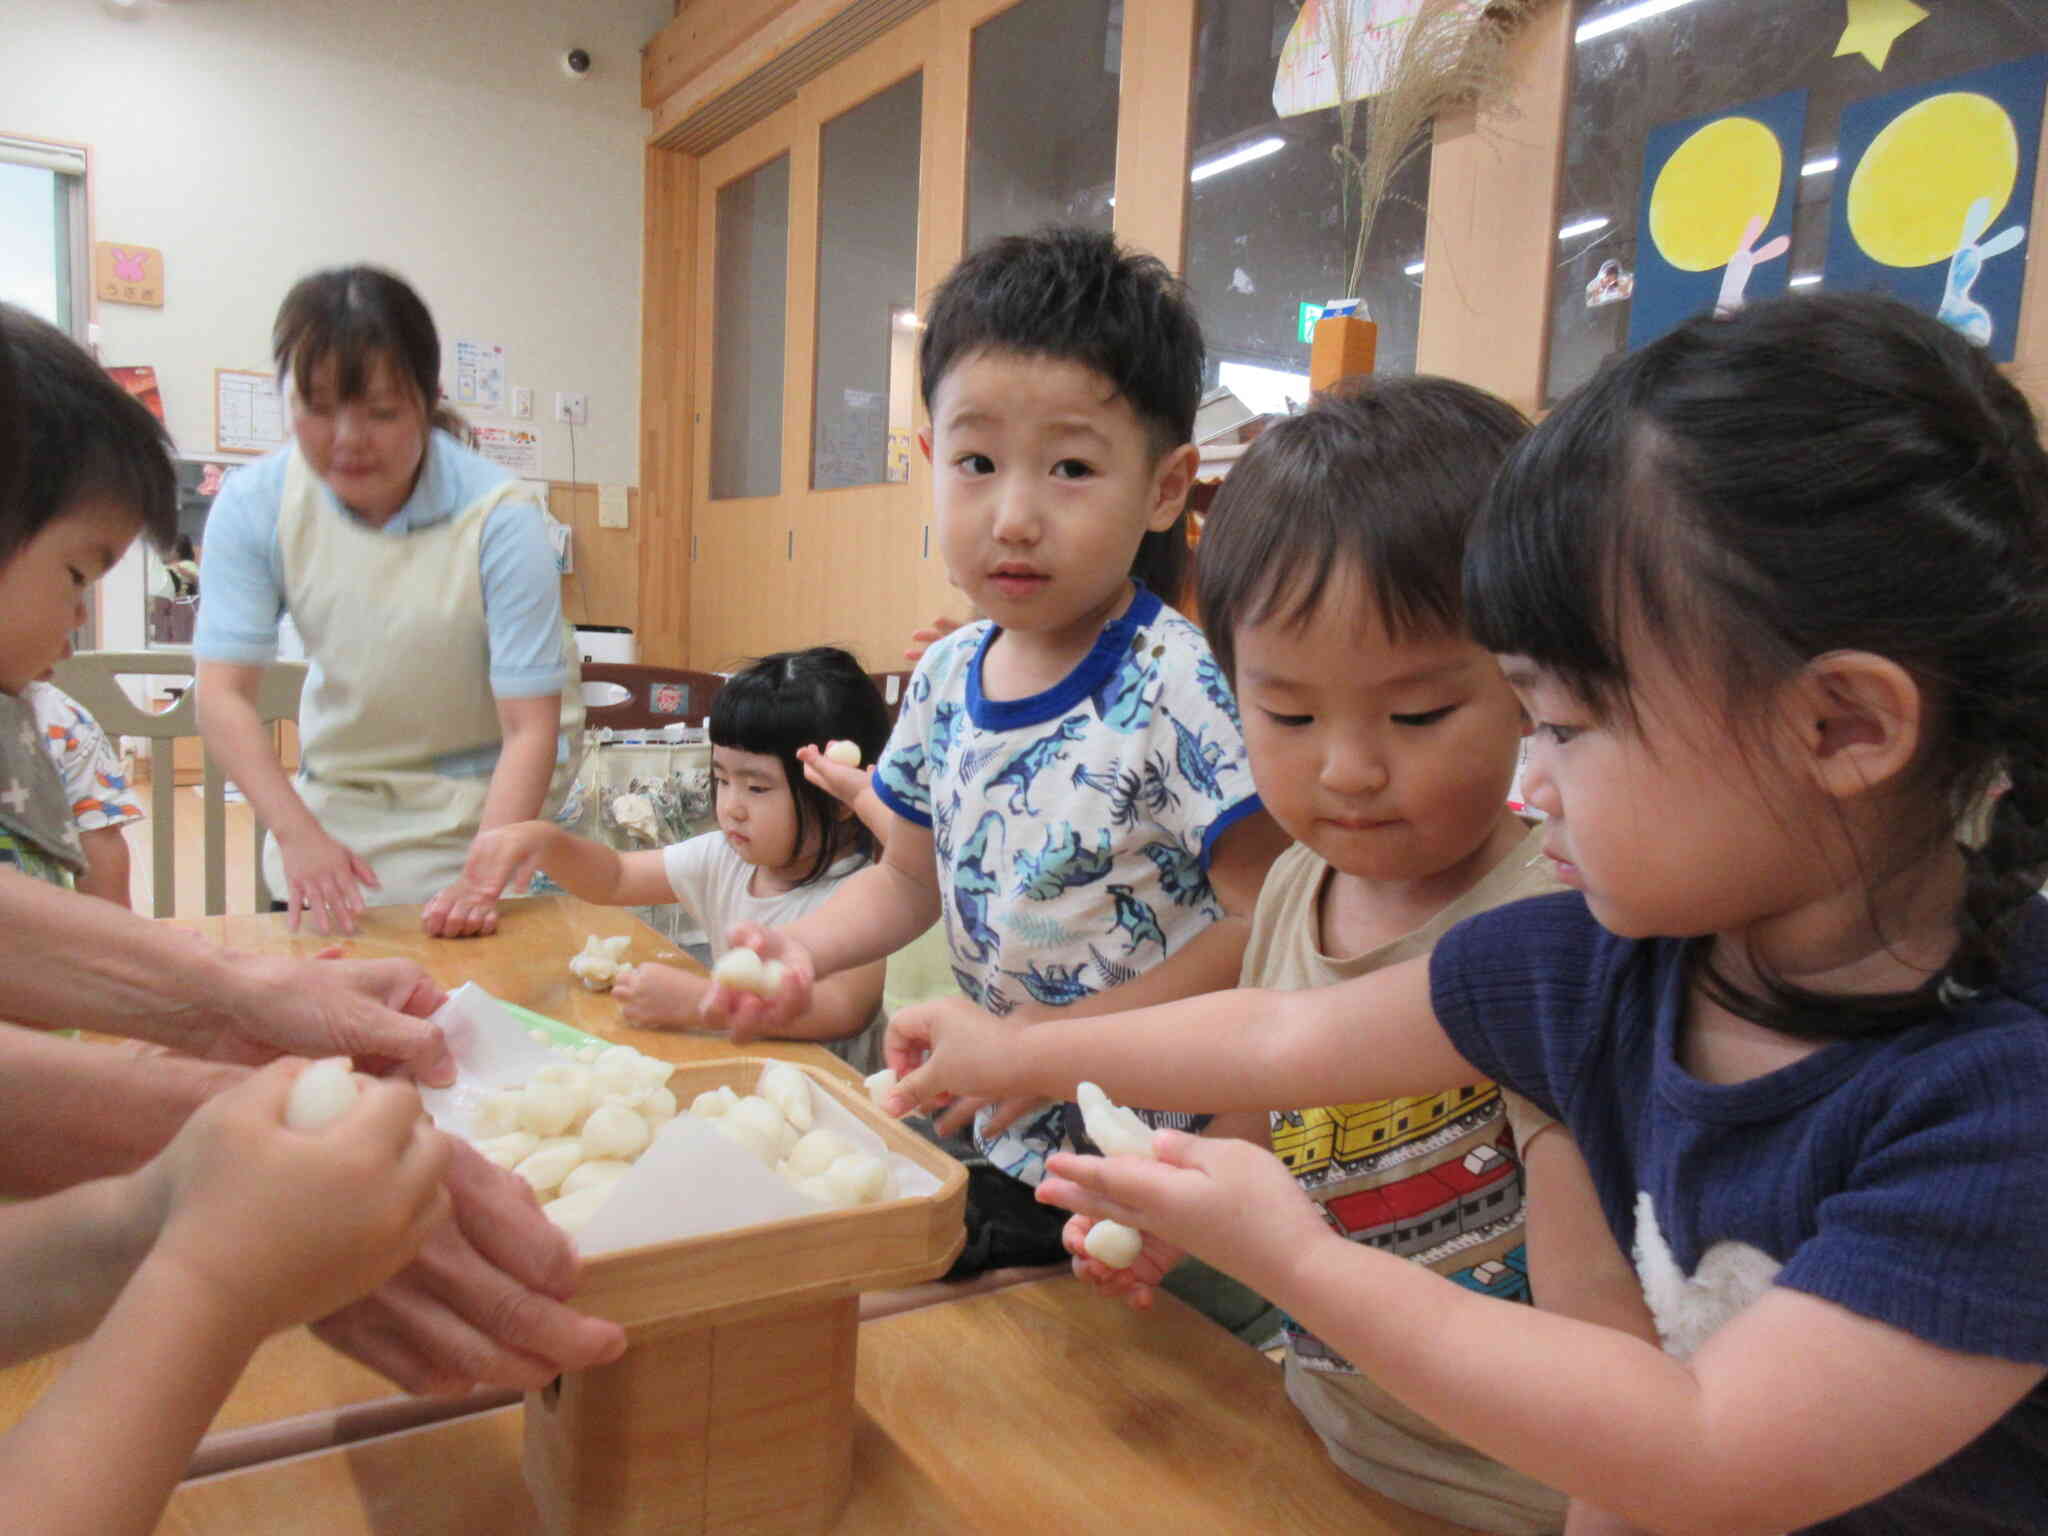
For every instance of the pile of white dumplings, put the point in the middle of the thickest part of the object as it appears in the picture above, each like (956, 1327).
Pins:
(575, 1127)
(777, 1123)
(601, 961)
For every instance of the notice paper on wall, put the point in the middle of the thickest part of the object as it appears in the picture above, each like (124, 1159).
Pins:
(480, 374)
(248, 412)
(517, 448)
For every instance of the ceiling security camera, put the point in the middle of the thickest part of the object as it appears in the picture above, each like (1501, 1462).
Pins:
(576, 63)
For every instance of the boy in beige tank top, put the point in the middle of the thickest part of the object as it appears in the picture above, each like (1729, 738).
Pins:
(1385, 740)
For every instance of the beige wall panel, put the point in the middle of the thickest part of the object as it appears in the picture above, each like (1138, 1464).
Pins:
(604, 588)
(1153, 113)
(742, 580)
(667, 345)
(1491, 240)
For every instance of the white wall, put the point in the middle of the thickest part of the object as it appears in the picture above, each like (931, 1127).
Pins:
(252, 141)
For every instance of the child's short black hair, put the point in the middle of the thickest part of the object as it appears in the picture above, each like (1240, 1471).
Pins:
(793, 698)
(76, 433)
(1382, 479)
(1075, 295)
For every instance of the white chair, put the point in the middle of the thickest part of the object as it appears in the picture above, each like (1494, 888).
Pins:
(93, 678)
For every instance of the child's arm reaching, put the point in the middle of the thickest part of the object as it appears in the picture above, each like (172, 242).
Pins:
(249, 1227)
(1207, 963)
(872, 915)
(852, 787)
(590, 871)
(1795, 1410)
(1576, 1269)
(1237, 1049)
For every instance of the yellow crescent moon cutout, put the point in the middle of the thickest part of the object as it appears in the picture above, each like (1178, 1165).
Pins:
(1719, 179)
(1913, 187)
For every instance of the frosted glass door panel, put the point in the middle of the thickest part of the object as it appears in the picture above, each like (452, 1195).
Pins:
(867, 281)
(1041, 117)
(751, 283)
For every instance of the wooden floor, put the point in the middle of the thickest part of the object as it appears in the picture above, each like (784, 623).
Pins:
(187, 864)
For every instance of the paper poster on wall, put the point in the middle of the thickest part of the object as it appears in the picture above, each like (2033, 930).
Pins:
(517, 448)
(1716, 212)
(1365, 38)
(140, 381)
(480, 374)
(1935, 191)
(248, 412)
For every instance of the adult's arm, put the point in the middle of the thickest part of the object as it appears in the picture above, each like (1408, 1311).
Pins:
(323, 877)
(63, 1260)
(69, 960)
(483, 1302)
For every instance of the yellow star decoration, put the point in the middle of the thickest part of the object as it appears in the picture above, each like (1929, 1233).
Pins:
(1874, 25)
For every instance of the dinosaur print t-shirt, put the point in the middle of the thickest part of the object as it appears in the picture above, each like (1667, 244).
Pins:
(1073, 828)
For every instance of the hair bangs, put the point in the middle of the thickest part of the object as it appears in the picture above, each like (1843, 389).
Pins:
(1548, 570)
(357, 318)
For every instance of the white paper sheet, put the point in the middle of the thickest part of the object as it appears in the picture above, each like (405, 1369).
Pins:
(691, 1180)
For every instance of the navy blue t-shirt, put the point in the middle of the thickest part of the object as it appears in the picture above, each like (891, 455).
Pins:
(1904, 1177)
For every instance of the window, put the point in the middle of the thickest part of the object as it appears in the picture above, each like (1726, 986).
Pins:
(1270, 227)
(1042, 115)
(752, 287)
(1638, 66)
(867, 301)
(43, 252)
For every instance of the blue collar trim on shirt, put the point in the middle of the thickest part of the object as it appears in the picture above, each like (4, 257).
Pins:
(1093, 670)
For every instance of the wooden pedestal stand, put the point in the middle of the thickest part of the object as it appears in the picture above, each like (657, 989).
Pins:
(1343, 348)
(732, 1409)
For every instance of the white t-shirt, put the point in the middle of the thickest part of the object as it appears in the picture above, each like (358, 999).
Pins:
(711, 880)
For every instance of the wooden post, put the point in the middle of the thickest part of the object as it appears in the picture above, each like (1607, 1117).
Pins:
(1342, 348)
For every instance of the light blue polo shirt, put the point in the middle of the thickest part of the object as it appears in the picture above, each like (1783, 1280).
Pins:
(241, 580)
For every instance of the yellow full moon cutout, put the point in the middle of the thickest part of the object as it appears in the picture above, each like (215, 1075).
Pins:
(1913, 187)
(1719, 179)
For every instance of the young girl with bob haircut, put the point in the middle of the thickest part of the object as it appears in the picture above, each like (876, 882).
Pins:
(1774, 592)
(783, 845)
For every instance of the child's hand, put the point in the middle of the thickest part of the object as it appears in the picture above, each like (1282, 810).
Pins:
(657, 996)
(842, 783)
(1231, 1202)
(1135, 1284)
(922, 640)
(747, 1015)
(323, 879)
(284, 1226)
(943, 1052)
(502, 857)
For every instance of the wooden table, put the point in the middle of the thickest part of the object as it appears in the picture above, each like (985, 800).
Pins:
(297, 1393)
(525, 962)
(1038, 1408)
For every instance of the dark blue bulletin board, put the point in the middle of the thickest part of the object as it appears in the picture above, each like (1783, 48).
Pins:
(1716, 211)
(1934, 194)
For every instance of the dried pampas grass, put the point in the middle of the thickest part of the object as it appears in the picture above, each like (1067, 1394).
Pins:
(1452, 53)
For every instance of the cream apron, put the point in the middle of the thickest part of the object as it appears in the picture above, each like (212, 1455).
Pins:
(397, 727)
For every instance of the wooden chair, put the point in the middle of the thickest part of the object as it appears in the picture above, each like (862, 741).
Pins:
(92, 678)
(628, 696)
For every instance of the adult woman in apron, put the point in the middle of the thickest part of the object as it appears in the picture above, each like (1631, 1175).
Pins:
(441, 697)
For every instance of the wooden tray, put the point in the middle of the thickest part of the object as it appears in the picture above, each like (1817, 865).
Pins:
(778, 1265)
(732, 1408)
